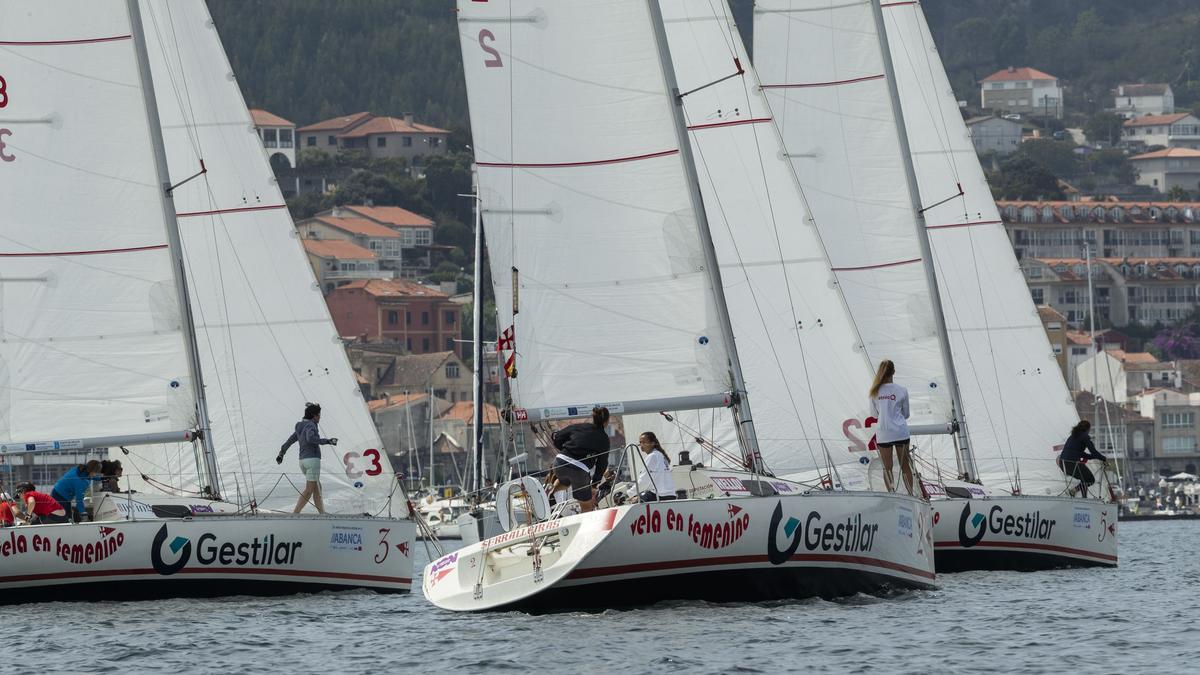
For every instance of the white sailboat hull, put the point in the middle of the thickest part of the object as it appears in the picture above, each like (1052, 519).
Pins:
(731, 549)
(205, 557)
(1023, 533)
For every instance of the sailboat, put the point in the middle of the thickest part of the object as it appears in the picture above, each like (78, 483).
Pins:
(874, 132)
(598, 232)
(157, 302)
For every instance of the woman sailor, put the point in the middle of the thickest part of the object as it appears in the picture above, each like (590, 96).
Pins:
(889, 405)
(654, 482)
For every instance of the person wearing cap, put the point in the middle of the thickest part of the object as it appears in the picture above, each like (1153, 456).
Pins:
(310, 440)
(40, 507)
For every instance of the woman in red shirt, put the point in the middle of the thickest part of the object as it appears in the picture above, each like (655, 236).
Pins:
(7, 518)
(41, 507)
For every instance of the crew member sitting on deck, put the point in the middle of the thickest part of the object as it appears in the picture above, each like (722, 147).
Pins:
(110, 474)
(8, 516)
(40, 507)
(582, 457)
(73, 486)
(1076, 451)
(654, 482)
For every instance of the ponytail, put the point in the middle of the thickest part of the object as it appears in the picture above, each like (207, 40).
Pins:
(882, 376)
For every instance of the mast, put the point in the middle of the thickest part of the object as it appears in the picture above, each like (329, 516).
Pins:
(175, 246)
(1087, 252)
(747, 438)
(966, 459)
(477, 355)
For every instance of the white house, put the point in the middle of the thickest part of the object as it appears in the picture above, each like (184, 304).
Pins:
(277, 134)
(1169, 168)
(1178, 130)
(1119, 376)
(1136, 100)
(1022, 90)
(990, 133)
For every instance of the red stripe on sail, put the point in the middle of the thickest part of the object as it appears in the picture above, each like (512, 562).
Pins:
(48, 43)
(952, 225)
(241, 209)
(753, 120)
(558, 165)
(102, 251)
(899, 4)
(876, 267)
(832, 83)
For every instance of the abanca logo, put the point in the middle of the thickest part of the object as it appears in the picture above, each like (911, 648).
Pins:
(179, 546)
(977, 522)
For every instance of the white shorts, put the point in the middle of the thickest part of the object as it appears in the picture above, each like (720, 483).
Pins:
(311, 468)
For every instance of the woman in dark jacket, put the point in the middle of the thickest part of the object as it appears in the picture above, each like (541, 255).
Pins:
(1076, 451)
(582, 457)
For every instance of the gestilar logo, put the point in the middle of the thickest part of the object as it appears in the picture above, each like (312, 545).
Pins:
(181, 549)
(969, 540)
(852, 535)
(1027, 525)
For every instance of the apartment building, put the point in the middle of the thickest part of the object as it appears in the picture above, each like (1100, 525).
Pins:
(1025, 91)
(277, 135)
(1176, 130)
(375, 136)
(1138, 100)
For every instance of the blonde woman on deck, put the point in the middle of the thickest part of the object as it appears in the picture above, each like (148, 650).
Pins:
(889, 405)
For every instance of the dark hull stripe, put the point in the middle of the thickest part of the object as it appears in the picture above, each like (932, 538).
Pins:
(592, 572)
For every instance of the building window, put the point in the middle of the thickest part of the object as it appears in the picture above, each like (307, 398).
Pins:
(311, 141)
(408, 344)
(424, 236)
(381, 142)
(1057, 349)
(1039, 296)
(425, 345)
(332, 140)
(424, 318)
(1139, 440)
(393, 317)
(449, 318)
(406, 141)
(285, 138)
(270, 137)
(1178, 420)
(452, 370)
(1179, 445)
(408, 318)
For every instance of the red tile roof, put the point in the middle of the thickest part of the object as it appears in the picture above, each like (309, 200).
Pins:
(464, 411)
(360, 226)
(337, 248)
(1012, 74)
(1173, 153)
(262, 118)
(390, 125)
(395, 400)
(1077, 337)
(393, 216)
(392, 288)
(1155, 120)
(338, 123)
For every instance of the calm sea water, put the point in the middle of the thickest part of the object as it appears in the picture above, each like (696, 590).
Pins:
(1141, 617)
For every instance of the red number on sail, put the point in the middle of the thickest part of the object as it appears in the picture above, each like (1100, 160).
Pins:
(495, 61)
(376, 468)
(4, 156)
(3, 92)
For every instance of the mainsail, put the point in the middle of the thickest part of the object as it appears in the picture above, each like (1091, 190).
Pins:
(1013, 391)
(91, 344)
(801, 355)
(822, 70)
(267, 343)
(828, 90)
(593, 242)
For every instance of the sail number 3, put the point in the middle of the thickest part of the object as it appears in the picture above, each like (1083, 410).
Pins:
(4, 133)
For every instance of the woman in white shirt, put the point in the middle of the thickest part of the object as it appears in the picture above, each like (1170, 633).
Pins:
(654, 482)
(889, 405)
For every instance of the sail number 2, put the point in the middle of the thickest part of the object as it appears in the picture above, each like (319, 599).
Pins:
(494, 61)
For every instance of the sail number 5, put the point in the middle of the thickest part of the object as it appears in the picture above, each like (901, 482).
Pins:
(495, 61)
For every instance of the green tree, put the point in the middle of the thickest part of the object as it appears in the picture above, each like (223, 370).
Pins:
(1178, 194)
(975, 36)
(1057, 157)
(1009, 41)
(1023, 178)
(1104, 127)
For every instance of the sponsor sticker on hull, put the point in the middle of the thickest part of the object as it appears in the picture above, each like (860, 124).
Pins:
(972, 527)
(211, 550)
(19, 544)
(703, 533)
(850, 536)
(345, 538)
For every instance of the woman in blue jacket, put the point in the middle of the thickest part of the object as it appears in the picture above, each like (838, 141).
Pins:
(73, 486)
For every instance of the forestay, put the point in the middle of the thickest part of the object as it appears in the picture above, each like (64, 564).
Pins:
(584, 195)
(1014, 393)
(806, 372)
(821, 67)
(90, 337)
(267, 343)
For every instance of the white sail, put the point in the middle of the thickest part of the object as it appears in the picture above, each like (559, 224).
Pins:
(1016, 400)
(267, 344)
(90, 337)
(805, 370)
(821, 67)
(584, 193)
